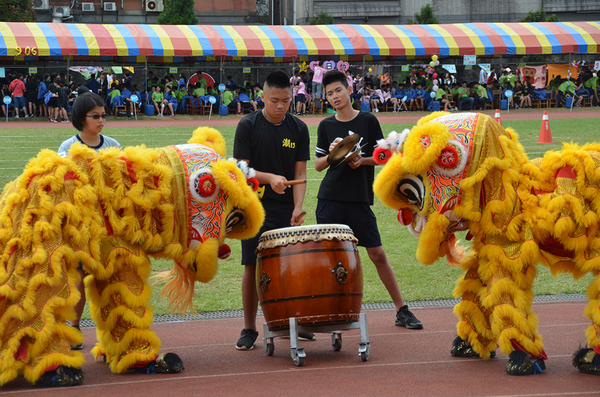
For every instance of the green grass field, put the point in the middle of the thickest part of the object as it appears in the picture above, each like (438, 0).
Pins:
(417, 282)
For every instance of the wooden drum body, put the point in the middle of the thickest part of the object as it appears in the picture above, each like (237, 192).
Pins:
(312, 273)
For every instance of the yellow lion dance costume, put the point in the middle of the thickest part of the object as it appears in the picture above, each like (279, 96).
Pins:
(465, 172)
(108, 211)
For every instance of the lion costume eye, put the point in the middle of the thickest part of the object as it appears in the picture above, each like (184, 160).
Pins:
(412, 189)
(203, 186)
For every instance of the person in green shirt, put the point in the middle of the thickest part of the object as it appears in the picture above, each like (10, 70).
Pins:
(179, 94)
(512, 79)
(591, 85)
(481, 96)
(228, 99)
(199, 90)
(113, 93)
(257, 98)
(157, 98)
(440, 95)
(463, 96)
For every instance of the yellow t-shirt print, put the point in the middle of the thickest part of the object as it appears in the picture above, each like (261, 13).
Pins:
(288, 143)
(260, 192)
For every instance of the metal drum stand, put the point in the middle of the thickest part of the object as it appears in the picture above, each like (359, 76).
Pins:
(297, 353)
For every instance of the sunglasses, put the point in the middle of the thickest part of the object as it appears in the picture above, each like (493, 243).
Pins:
(96, 116)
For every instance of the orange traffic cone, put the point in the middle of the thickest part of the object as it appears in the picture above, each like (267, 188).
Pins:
(545, 135)
(497, 117)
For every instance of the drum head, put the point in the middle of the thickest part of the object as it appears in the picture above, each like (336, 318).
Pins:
(291, 235)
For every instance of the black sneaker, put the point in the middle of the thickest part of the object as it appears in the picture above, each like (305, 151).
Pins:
(77, 346)
(247, 339)
(405, 318)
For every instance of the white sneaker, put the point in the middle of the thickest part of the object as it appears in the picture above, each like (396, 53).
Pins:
(16, 116)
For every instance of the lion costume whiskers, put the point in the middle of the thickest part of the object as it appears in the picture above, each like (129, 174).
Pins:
(465, 172)
(108, 211)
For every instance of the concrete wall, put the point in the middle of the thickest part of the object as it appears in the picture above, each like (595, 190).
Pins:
(209, 12)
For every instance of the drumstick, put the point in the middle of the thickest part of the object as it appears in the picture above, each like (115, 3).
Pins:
(295, 182)
(300, 216)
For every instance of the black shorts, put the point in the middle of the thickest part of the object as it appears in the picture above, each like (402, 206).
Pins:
(53, 102)
(358, 216)
(275, 218)
(301, 98)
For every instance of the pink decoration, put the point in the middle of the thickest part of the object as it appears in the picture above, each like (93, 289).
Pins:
(313, 64)
(343, 66)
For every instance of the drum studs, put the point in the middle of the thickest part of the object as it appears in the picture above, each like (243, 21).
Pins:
(340, 273)
(264, 282)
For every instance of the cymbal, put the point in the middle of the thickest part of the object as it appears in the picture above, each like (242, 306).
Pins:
(343, 147)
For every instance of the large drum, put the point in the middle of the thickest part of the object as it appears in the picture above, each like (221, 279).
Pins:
(312, 273)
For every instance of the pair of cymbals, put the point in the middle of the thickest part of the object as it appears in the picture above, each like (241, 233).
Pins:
(345, 150)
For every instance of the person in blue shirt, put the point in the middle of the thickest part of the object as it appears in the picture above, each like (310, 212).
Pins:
(170, 101)
(182, 80)
(420, 97)
(42, 90)
(93, 85)
(128, 82)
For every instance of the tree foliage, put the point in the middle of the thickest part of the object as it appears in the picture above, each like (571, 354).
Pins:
(178, 12)
(16, 11)
(321, 18)
(262, 12)
(425, 16)
(539, 16)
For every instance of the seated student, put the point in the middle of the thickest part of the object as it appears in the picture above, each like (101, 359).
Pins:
(179, 94)
(242, 98)
(199, 90)
(419, 96)
(480, 95)
(591, 84)
(376, 98)
(125, 96)
(228, 98)
(157, 101)
(256, 100)
(114, 92)
(442, 96)
(170, 102)
(463, 93)
(410, 93)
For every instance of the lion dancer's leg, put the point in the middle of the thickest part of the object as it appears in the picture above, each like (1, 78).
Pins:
(119, 307)
(514, 323)
(37, 294)
(475, 337)
(587, 359)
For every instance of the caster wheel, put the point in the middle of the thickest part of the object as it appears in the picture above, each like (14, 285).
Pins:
(299, 361)
(270, 348)
(337, 345)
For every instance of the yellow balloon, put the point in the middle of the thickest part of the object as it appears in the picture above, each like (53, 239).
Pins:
(434, 58)
(370, 70)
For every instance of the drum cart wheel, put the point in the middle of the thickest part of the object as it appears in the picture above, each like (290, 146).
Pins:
(269, 346)
(297, 353)
(336, 341)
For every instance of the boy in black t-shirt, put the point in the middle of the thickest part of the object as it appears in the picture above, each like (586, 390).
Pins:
(346, 192)
(276, 145)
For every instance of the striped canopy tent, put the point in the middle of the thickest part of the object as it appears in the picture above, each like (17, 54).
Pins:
(409, 41)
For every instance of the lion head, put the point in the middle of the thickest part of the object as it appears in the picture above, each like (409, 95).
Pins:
(450, 172)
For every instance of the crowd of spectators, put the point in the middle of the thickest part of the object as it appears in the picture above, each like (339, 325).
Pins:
(52, 95)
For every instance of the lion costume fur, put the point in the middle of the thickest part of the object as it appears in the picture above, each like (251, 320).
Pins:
(108, 211)
(466, 172)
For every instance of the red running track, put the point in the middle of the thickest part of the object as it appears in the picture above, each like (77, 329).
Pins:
(402, 363)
